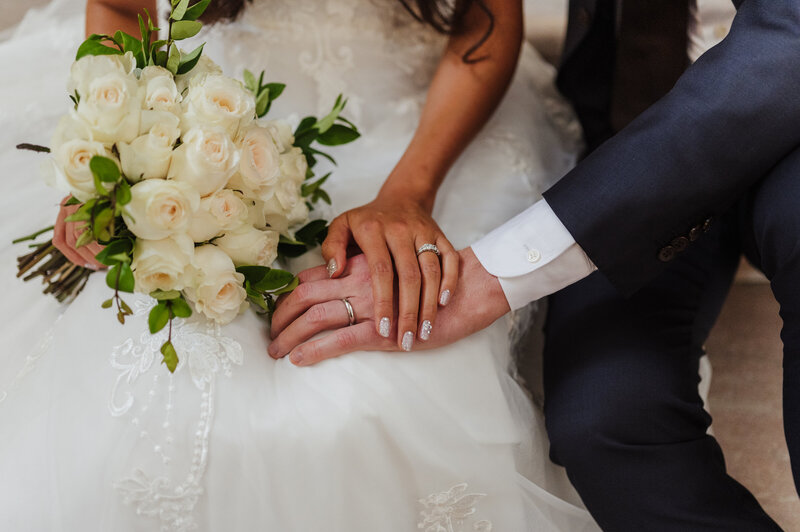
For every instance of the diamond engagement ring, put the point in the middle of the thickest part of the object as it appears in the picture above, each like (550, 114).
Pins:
(351, 315)
(428, 247)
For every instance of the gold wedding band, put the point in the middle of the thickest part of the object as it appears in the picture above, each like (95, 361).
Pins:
(351, 315)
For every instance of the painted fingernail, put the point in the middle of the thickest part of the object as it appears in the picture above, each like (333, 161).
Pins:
(385, 327)
(331, 267)
(425, 333)
(444, 299)
(408, 341)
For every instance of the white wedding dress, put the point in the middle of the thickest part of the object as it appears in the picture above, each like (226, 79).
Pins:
(96, 434)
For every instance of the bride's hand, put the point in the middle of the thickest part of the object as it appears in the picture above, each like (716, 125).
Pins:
(390, 230)
(66, 234)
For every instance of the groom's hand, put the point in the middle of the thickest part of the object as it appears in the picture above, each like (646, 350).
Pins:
(317, 306)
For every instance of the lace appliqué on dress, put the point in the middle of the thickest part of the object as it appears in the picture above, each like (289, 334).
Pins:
(451, 510)
(167, 482)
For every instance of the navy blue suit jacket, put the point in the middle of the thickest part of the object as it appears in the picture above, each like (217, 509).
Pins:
(731, 117)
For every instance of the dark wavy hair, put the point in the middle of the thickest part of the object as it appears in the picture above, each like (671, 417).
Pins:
(445, 16)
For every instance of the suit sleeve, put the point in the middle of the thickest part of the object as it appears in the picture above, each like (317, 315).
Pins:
(642, 197)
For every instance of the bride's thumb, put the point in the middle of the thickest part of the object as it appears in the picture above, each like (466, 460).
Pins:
(334, 248)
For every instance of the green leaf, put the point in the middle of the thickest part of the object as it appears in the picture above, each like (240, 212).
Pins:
(253, 274)
(123, 193)
(262, 103)
(129, 42)
(160, 58)
(321, 195)
(104, 168)
(189, 61)
(275, 90)
(174, 59)
(250, 81)
(107, 303)
(162, 295)
(181, 308)
(72, 201)
(94, 46)
(312, 233)
(101, 222)
(85, 238)
(111, 276)
(273, 280)
(114, 252)
(258, 300)
(126, 282)
(327, 121)
(288, 288)
(194, 12)
(179, 10)
(158, 318)
(305, 124)
(170, 356)
(307, 189)
(338, 135)
(185, 28)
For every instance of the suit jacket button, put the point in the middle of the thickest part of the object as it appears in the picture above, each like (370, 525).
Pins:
(696, 232)
(666, 254)
(707, 225)
(680, 243)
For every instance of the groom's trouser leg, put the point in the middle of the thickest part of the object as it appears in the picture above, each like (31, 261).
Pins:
(622, 406)
(771, 239)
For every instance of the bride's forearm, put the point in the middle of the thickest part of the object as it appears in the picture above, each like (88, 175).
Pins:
(108, 16)
(461, 98)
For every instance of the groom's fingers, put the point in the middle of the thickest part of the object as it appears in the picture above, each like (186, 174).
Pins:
(317, 273)
(359, 337)
(334, 248)
(301, 299)
(321, 317)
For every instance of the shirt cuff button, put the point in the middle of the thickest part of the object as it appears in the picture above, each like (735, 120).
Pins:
(534, 256)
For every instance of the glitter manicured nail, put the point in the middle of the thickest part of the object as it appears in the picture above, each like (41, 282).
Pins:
(425, 333)
(331, 267)
(408, 341)
(385, 327)
(444, 299)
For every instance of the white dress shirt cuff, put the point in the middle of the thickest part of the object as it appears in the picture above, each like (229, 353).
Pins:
(533, 255)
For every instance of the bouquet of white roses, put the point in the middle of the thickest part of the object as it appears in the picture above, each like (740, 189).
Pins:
(180, 186)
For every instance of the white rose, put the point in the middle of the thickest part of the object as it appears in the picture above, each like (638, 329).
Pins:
(110, 99)
(160, 208)
(281, 133)
(162, 264)
(206, 160)
(259, 167)
(72, 166)
(294, 165)
(204, 67)
(222, 210)
(160, 91)
(216, 100)
(286, 208)
(216, 290)
(149, 156)
(247, 245)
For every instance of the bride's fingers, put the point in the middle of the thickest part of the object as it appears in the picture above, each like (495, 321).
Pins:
(301, 299)
(345, 340)
(334, 248)
(372, 243)
(450, 265)
(409, 281)
(321, 317)
(431, 278)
